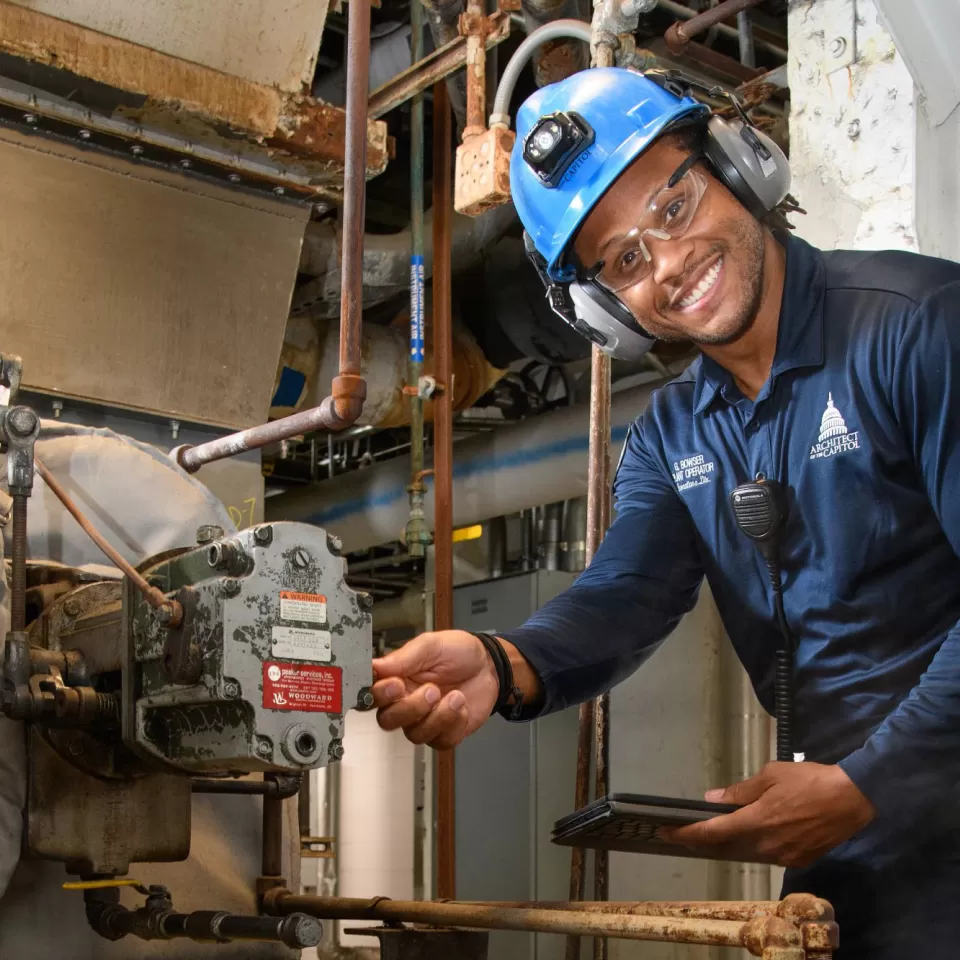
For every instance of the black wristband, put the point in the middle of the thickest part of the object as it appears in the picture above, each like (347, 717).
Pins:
(504, 670)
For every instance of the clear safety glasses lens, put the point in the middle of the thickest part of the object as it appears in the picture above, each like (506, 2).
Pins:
(628, 260)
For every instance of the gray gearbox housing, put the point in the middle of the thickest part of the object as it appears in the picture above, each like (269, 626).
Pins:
(273, 649)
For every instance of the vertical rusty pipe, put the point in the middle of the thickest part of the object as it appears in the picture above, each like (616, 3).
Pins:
(474, 20)
(271, 862)
(18, 565)
(595, 717)
(443, 456)
(354, 186)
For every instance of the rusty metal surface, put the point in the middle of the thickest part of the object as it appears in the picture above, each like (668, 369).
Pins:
(443, 458)
(435, 67)
(765, 936)
(175, 88)
(474, 26)
(581, 799)
(556, 60)
(682, 32)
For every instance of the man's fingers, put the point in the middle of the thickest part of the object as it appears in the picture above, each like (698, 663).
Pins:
(409, 710)
(747, 791)
(444, 727)
(411, 658)
(712, 833)
(387, 692)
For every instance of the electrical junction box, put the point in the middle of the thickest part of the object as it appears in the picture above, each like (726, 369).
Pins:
(483, 172)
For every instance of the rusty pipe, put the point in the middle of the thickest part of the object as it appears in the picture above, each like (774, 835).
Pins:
(348, 391)
(755, 935)
(443, 457)
(473, 25)
(682, 32)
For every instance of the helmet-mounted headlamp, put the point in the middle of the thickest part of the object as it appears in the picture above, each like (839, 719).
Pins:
(553, 143)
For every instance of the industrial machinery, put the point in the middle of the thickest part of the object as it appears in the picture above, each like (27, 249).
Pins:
(236, 655)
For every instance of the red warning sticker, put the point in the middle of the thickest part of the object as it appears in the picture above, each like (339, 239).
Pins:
(301, 686)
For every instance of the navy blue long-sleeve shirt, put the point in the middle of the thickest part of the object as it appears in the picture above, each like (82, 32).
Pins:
(860, 424)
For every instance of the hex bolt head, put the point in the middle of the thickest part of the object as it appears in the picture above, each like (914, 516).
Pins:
(30, 118)
(208, 533)
(231, 689)
(263, 535)
(334, 544)
(365, 699)
(301, 558)
(84, 134)
(335, 750)
(137, 150)
(186, 164)
(365, 600)
(229, 587)
(279, 191)
(234, 177)
(22, 421)
(72, 608)
(264, 747)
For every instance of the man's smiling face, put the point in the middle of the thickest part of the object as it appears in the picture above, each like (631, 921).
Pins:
(703, 286)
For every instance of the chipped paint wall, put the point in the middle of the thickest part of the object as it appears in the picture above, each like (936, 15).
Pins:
(853, 136)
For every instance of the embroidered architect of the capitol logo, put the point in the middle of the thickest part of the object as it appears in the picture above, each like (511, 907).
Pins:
(834, 437)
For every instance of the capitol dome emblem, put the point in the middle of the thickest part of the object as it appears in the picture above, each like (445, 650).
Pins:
(834, 435)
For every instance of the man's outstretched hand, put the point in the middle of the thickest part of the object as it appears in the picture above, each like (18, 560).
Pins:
(438, 688)
(792, 814)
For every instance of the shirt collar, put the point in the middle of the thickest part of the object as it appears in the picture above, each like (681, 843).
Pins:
(800, 329)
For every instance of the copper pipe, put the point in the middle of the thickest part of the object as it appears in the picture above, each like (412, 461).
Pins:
(580, 800)
(754, 935)
(443, 457)
(349, 389)
(682, 32)
(151, 594)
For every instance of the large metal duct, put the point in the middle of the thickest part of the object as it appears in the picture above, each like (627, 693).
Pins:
(309, 358)
(386, 258)
(514, 468)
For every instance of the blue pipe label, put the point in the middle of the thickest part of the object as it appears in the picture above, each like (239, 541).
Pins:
(416, 309)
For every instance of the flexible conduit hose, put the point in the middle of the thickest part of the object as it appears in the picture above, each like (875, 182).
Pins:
(558, 30)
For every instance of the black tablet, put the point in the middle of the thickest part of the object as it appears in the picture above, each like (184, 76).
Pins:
(631, 822)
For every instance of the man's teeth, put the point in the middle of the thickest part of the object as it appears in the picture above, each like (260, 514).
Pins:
(709, 279)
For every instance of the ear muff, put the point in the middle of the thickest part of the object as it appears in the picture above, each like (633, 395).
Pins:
(748, 162)
(611, 325)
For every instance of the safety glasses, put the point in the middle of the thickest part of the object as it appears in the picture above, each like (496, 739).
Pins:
(626, 259)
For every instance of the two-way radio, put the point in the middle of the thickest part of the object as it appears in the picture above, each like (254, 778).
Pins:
(760, 510)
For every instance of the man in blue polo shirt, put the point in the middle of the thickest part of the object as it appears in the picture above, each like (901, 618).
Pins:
(829, 373)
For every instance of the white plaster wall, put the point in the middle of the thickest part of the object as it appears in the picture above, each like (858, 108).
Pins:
(852, 130)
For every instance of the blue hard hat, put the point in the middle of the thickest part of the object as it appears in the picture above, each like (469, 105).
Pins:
(626, 113)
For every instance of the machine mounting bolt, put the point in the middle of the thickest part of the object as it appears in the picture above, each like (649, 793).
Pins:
(838, 46)
(229, 587)
(84, 134)
(334, 544)
(279, 191)
(263, 535)
(335, 750)
(231, 689)
(233, 177)
(22, 421)
(57, 407)
(301, 558)
(30, 118)
(137, 150)
(208, 533)
(365, 600)
(264, 747)
(186, 164)
(72, 608)
(365, 699)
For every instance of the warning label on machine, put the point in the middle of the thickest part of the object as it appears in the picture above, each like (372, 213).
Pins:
(302, 686)
(303, 607)
(301, 643)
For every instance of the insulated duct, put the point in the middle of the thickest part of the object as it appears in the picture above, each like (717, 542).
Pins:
(309, 356)
(514, 468)
(386, 259)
